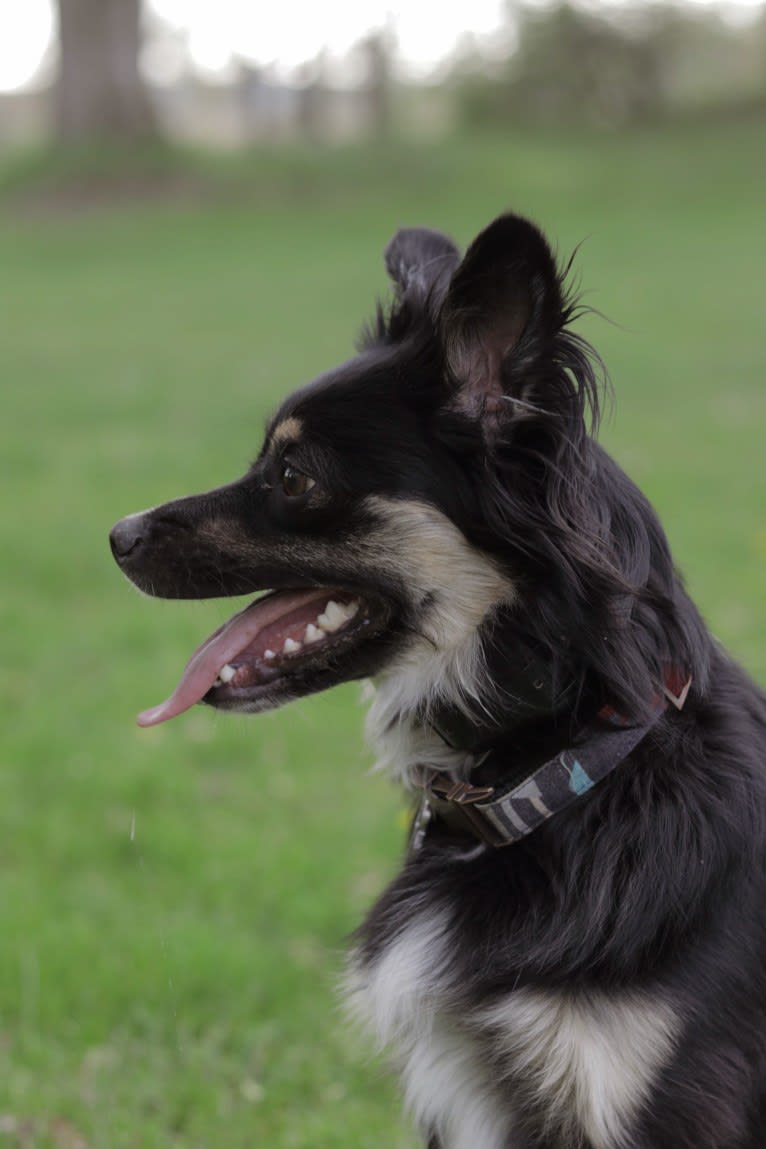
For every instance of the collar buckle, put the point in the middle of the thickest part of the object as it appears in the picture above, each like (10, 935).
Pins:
(461, 793)
(453, 803)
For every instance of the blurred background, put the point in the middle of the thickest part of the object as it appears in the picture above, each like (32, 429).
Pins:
(229, 75)
(194, 201)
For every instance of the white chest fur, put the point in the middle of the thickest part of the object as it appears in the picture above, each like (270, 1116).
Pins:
(400, 1000)
(584, 1063)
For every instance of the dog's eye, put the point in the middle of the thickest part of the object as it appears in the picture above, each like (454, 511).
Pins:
(295, 483)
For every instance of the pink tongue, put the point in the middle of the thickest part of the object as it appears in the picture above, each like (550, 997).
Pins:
(226, 643)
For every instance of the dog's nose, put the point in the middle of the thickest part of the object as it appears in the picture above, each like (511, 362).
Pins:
(126, 536)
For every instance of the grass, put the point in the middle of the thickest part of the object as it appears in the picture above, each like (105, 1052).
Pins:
(174, 902)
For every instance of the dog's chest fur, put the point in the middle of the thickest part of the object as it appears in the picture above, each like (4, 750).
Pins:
(575, 1066)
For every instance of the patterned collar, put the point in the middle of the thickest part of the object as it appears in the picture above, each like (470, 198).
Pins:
(501, 817)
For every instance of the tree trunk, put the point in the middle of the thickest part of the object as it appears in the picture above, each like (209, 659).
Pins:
(377, 48)
(100, 94)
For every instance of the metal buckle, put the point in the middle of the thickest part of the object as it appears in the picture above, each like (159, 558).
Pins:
(453, 802)
(462, 793)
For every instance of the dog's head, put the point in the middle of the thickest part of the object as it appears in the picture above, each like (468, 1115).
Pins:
(428, 498)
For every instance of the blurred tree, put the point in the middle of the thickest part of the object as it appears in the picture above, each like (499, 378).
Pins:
(377, 49)
(577, 65)
(312, 97)
(100, 93)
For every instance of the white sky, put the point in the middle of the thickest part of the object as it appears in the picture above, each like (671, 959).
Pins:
(285, 34)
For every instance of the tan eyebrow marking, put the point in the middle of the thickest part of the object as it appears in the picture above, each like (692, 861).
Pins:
(288, 431)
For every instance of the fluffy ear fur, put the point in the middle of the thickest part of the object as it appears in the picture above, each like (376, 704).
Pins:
(605, 593)
(499, 323)
(420, 262)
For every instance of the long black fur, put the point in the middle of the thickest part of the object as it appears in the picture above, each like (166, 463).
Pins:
(657, 878)
(472, 393)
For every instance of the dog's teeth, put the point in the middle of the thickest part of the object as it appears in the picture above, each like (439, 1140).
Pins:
(335, 612)
(333, 618)
(226, 673)
(290, 646)
(336, 615)
(313, 634)
(269, 654)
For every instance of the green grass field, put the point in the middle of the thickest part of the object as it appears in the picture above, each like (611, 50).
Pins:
(173, 902)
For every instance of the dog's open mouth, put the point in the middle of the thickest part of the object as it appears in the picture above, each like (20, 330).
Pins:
(283, 636)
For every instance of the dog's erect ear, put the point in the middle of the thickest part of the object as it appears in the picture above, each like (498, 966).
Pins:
(500, 315)
(420, 262)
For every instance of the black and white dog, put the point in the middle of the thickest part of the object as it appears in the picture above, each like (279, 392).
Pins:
(574, 953)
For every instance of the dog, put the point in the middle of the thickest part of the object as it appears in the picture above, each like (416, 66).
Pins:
(573, 955)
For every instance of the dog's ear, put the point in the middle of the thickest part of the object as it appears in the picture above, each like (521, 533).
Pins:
(499, 321)
(420, 262)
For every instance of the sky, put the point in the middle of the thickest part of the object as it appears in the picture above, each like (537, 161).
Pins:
(282, 35)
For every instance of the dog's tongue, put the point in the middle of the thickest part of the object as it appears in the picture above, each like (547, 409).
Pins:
(221, 647)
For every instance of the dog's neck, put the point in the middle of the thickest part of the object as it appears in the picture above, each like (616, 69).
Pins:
(527, 712)
(531, 693)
